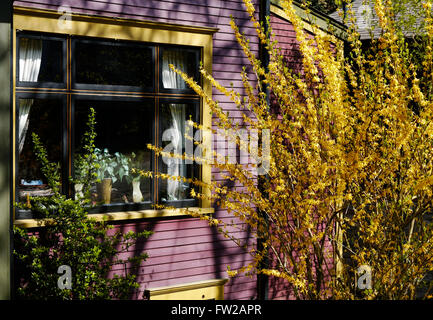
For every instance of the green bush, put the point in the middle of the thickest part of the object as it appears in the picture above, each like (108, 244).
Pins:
(71, 238)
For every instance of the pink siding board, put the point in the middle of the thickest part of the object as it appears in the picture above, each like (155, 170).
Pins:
(179, 258)
(119, 6)
(188, 259)
(152, 244)
(168, 280)
(173, 271)
(169, 249)
(196, 258)
(242, 283)
(283, 31)
(162, 234)
(155, 283)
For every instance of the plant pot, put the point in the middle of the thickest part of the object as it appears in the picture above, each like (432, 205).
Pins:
(78, 188)
(137, 196)
(105, 190)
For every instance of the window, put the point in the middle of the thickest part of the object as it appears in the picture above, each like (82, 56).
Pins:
(137, 99)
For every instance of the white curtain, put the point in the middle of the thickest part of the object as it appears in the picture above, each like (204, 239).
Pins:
(29, 66)
(176, 167)
(171, 80)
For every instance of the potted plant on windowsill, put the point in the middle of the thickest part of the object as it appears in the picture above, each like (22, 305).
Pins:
(84, 161)
(111, 168)
(105, 174)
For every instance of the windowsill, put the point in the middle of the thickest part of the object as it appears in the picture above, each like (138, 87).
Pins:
(119, 216)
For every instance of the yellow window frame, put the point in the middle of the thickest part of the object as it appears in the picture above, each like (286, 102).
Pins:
(122, 29)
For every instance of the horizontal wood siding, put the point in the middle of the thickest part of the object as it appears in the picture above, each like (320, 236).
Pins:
(286, 37)
(184, 250)
(284, 34)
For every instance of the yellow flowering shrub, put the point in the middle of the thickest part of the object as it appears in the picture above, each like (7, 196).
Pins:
(350, 173)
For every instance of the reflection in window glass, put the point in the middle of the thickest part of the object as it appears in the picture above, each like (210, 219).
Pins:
(40, 60)
(124, 129)
(43, 117)
(113, 64)
(173, 129)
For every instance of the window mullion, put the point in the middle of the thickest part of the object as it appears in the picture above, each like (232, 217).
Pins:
(66, 129)
(156, 127)
(155, 157)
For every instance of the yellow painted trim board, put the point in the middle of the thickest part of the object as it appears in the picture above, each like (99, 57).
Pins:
(211, 293)
(52, 14)
(201, 290)
(104, 28)
(118, 216)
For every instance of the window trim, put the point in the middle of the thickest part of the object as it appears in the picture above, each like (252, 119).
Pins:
(35, 20)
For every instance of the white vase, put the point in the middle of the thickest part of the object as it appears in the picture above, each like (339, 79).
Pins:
(78, 188)
(137, 196)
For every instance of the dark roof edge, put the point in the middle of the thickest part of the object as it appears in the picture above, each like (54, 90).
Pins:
(317, 14)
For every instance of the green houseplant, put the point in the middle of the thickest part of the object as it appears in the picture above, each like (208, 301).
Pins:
(117, 167)
(84, 161)
(111, 168)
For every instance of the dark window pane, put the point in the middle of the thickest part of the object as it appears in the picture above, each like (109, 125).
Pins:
(173, 119)
(40, 60)
(113, 64)
(183, 60)
(43, 117)
(124, 129)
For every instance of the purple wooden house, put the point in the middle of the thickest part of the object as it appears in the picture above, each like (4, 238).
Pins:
(114, 56)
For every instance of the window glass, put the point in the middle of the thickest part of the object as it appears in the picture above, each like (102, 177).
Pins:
(40, 60)
(181, 59)
(126, 122)
(113, 64)
(43, 117)
(124, 129)
(174, 133)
